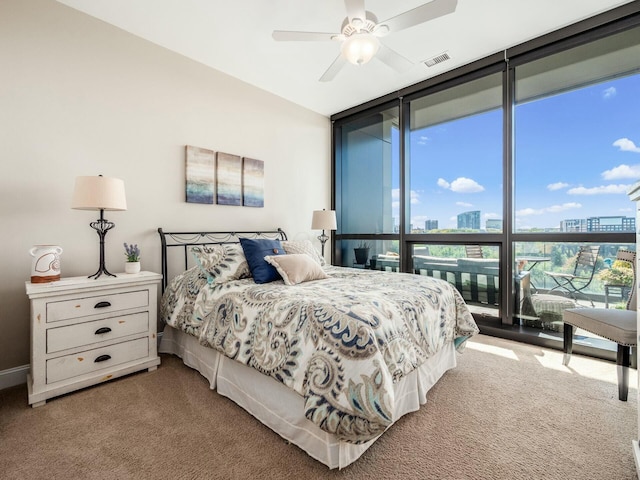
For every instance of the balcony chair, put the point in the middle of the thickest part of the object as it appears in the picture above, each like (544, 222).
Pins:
(473, 251)
(583, 272)
(619, 326)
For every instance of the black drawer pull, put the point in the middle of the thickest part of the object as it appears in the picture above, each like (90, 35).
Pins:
(102, 330)
(102, 305)
(102, 358)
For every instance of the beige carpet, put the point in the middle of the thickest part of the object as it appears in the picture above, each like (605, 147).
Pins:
(509, 411)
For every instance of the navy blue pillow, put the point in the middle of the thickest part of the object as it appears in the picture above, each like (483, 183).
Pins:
(255, 250)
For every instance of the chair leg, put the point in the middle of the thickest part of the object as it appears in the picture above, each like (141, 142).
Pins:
(568, 343)
(623, 372)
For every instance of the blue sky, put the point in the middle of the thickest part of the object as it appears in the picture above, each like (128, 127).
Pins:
(577, 154)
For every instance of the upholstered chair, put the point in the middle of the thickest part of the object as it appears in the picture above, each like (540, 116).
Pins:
(617, 325)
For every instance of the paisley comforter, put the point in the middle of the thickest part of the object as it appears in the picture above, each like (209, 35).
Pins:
(341, 342)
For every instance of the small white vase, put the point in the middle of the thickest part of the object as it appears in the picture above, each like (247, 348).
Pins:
(132, 267)
(45, 265)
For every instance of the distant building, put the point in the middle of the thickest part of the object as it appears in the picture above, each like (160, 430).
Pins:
(611, 224)
(573, 225)
(494, 224)
(599, 224)
(430, 225)
(469, 220)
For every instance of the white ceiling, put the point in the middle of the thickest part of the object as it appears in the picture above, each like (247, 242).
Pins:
(234, 36)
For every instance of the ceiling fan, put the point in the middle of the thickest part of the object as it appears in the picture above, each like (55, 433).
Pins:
(360, 32)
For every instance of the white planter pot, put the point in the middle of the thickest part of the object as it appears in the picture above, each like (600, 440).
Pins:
(132, 267)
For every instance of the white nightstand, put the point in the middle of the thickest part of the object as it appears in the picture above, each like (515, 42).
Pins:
(86, 331)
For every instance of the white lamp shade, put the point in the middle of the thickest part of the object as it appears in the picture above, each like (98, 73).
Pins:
(360, 47)
(324, 220)
(98, 193)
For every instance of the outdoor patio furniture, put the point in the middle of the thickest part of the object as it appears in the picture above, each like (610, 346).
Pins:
(473, 251)
(583, 273)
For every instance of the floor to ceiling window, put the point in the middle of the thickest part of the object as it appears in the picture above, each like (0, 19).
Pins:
(367, 189)
(503, 178)
(454, 175)
(576, 128)
(455, 159)
(575, 158)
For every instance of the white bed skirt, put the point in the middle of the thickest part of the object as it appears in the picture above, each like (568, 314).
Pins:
(282, 409)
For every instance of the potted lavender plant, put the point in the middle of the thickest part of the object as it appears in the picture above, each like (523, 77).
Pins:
(132, 252)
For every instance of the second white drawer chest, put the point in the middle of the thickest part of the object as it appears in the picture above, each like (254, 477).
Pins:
(86, 331)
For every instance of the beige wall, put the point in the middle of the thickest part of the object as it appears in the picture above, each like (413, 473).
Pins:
(81, 97)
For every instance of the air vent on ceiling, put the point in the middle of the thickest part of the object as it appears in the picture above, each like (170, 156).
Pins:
(443, 57)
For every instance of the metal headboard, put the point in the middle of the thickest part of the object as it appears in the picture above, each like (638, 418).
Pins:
(185, 240)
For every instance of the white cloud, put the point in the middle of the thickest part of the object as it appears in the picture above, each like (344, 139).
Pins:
(557, 186)
(622, 171)
(490, 215)
(626, 145)
(464, 204)
(415, 198)
(461, 185)
(526, 212)
(563, 207)
(443, 183)
(466, 185)
(601, 190)
(423, 140)
(609, 93)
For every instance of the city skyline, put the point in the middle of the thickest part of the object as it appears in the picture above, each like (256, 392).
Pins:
(578, 172)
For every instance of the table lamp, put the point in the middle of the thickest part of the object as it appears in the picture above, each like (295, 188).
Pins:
(99, 193)
(323, 220)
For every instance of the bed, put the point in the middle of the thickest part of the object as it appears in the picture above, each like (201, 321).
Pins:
(327, 357)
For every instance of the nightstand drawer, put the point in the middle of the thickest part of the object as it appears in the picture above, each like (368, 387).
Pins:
(69, 366)
(87, 333)
(80, 307)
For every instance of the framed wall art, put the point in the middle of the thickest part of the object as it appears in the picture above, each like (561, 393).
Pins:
(228, 179)
(200, 175)
(223, 178)
(252, 182)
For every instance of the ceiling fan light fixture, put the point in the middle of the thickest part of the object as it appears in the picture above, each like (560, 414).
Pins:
(359, 48)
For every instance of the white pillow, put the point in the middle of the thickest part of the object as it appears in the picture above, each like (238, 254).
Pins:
(296, 268)
(303, 246)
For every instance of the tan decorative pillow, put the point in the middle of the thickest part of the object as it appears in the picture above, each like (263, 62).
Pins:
(296, 268)
(303, 246)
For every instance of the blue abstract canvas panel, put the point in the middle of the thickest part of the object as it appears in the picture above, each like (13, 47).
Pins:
(229, 179)
(200, 174)
(252, 182)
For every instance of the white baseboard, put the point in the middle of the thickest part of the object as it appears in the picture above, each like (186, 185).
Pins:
(13, 376)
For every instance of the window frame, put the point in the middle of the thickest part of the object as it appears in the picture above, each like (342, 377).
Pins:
(598, 27)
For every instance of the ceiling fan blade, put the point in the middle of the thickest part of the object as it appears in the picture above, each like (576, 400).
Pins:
(286, 36)
(355, 9)
(393, 59)
(333, 69)
(421, 14)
